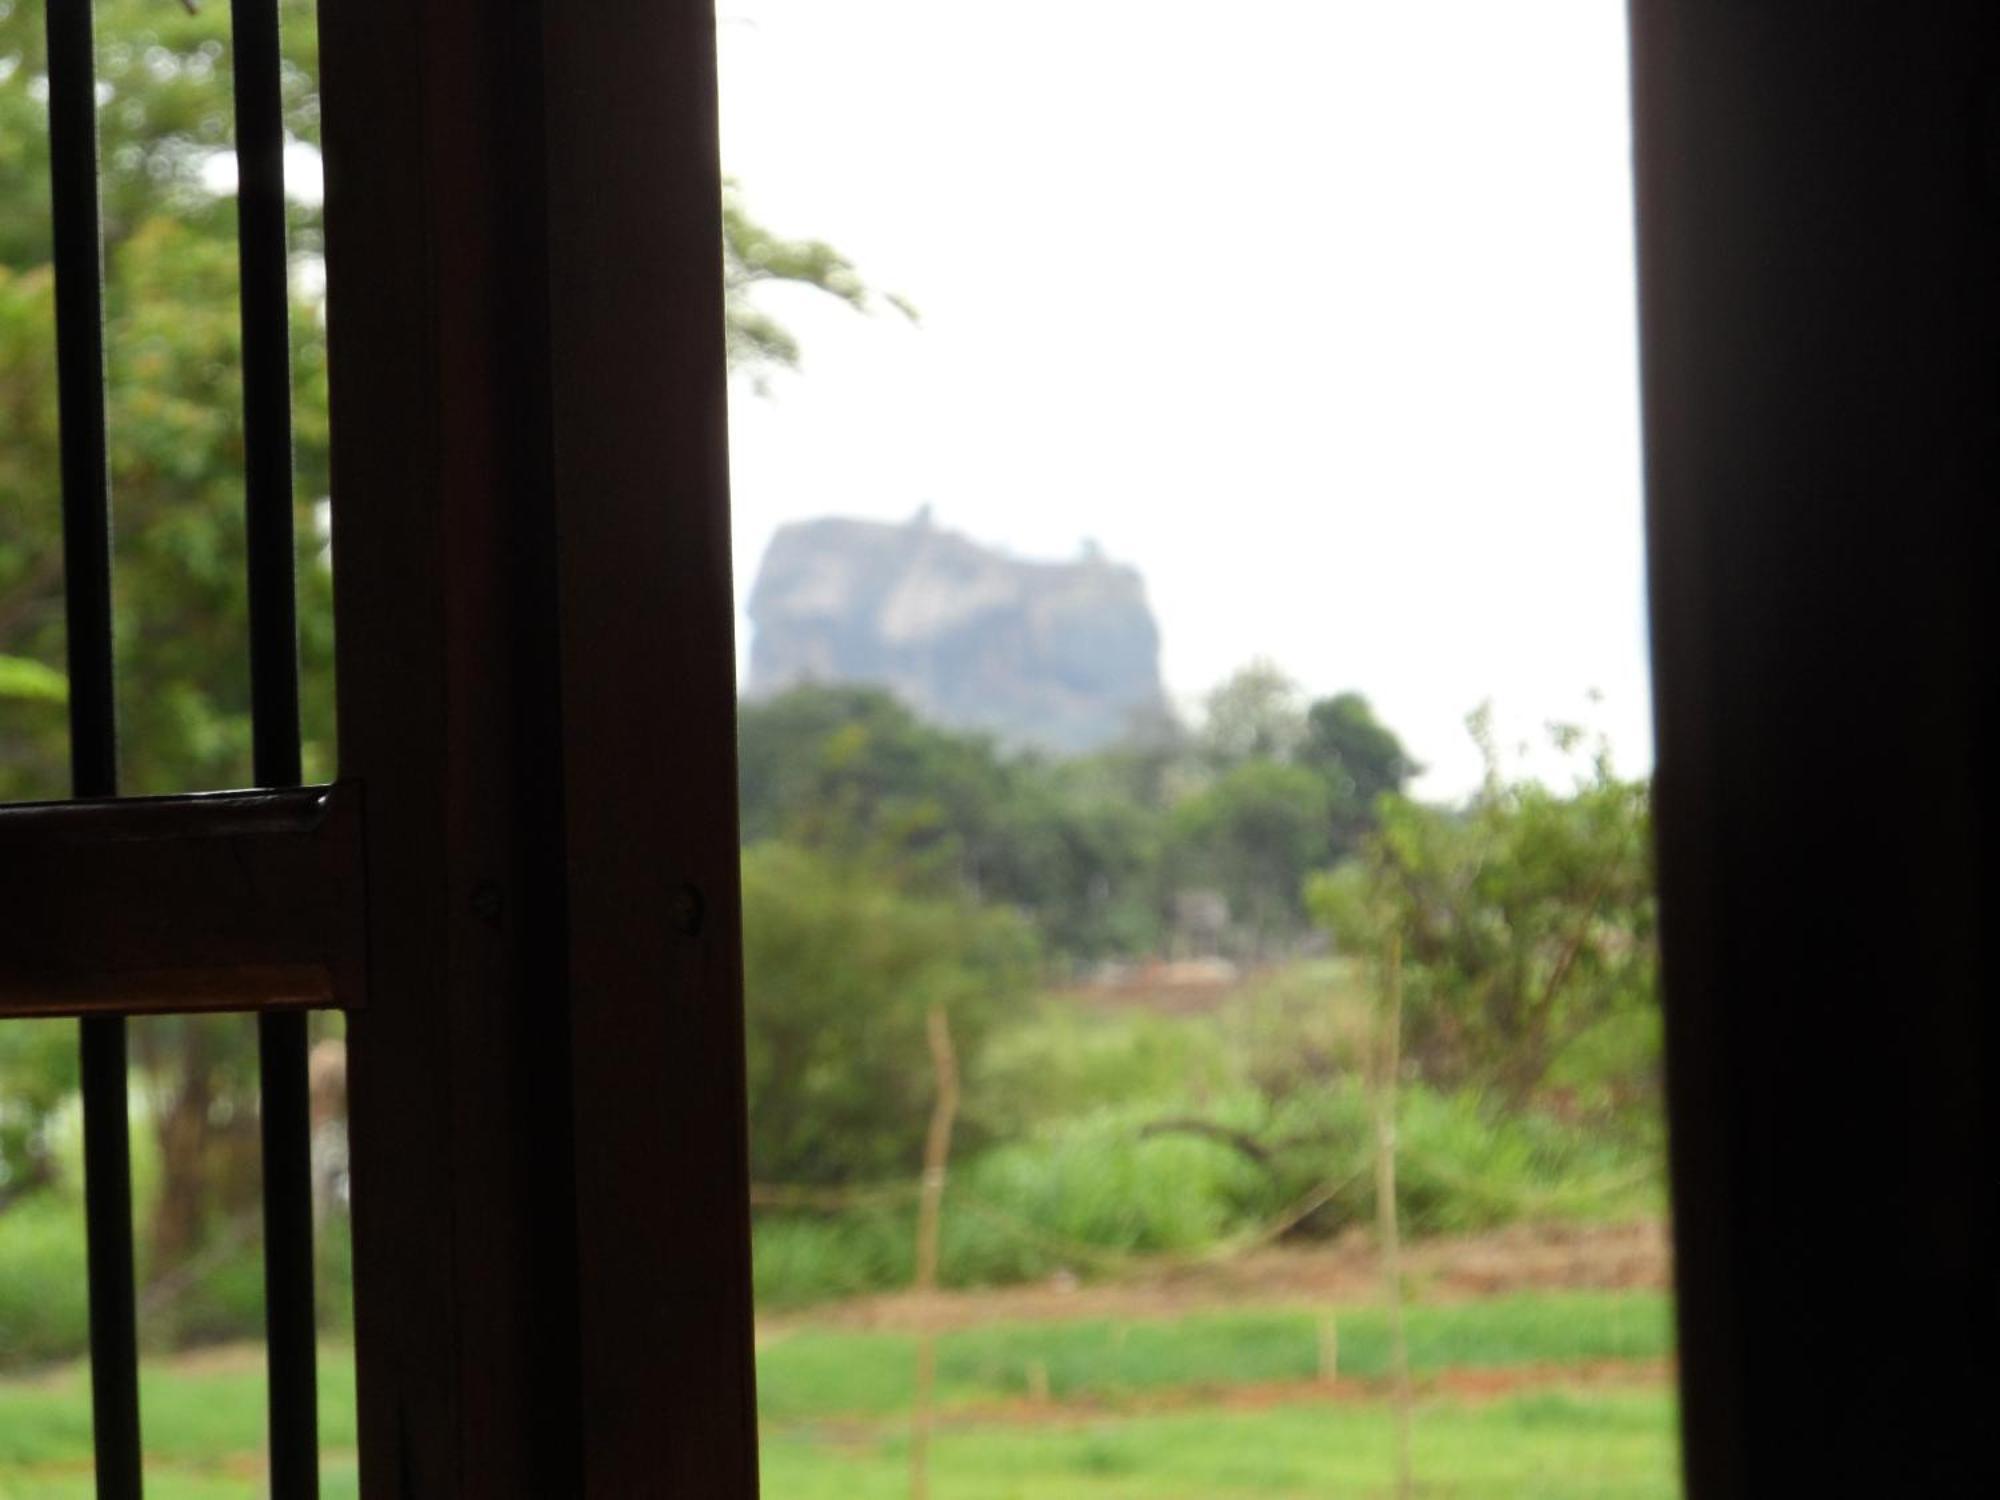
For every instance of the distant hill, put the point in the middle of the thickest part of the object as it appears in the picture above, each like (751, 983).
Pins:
(1063, 656)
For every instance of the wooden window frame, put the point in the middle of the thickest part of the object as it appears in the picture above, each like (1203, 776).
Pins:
(537, 691)
(1819, 226)
(525, 888)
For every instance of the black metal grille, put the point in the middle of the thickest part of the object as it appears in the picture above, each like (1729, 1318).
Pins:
(274, 700)
(275, 711)
(86, 504)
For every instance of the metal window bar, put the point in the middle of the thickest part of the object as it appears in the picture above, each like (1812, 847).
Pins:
(86, 510)
(285, 1111)
(268, 499)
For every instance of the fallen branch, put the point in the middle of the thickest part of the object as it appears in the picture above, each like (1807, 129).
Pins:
(1241, 1141)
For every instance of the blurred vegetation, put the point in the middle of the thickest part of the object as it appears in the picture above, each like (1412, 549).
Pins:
(840, 970)
(817, 1372)
(1086, 1171)
(1527, 922)
(1107, 1132)
(1098, 852)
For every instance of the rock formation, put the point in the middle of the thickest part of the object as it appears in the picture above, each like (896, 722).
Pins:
(1062, 656)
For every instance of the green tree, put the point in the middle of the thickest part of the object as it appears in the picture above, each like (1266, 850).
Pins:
(1086, 860)
(854, 773)
(173, 400)
(1359, 759)
(1257, 714)
(753, 256)
(162, 77)
(1527, 920)
(1255, 834)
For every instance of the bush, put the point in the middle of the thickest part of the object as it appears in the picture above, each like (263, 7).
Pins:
(44, 1292)
(1100, 1183)
(1303, 1028)
(1526, 921)
(1083, 1195)
(840, 970)
(1060, 1061)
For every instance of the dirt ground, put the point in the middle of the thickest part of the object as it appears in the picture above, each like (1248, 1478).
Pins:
(1520, 1258)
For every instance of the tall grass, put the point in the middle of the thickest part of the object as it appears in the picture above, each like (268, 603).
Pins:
(1088, 1196)
(1084, 1178)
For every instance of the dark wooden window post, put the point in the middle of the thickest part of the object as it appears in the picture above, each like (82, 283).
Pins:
(1819, 195)
(536, 685)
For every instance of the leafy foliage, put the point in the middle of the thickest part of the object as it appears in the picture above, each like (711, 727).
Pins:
(162, 82)
(852, 772)
(1078, 1172)
(1257, 714)
(752, 256)
(38, 1071)
(1091, 849)
(840, 971)
(1360, 761)
(1527, 919)
(1256, 833)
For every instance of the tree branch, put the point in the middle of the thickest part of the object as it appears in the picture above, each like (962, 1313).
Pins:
(1249, 1145)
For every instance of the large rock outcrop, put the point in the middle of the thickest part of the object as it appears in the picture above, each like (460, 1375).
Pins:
(1062, 656)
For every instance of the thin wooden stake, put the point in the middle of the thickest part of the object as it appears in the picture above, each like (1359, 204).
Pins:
(1388, 1231)
(930, 1211)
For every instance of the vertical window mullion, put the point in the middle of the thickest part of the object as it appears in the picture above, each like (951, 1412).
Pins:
(285, 1118)
(86, 507)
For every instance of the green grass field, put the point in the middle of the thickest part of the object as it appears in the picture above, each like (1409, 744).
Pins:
(1546, 1446)
(1213, 1404)
(816, 1373)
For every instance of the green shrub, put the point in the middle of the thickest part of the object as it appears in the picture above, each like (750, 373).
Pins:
(1525, 920)
(804, 1258)
(840, 970)
(1101, 1181)
(1124, 1134)
(219, 1301)
(1062, 1060)
(1088, 1194)
(44, 1292)
(217, 1298)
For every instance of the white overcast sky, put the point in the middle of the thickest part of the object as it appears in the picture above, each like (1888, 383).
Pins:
(1319, 312)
